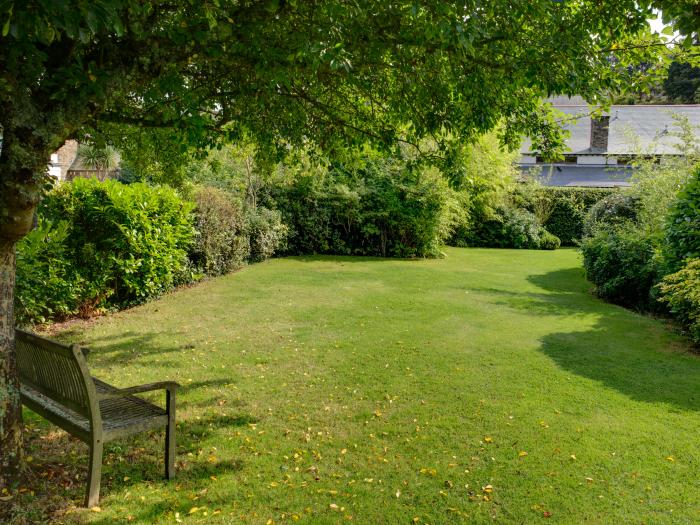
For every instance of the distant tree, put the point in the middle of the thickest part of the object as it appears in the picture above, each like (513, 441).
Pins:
(682, 83)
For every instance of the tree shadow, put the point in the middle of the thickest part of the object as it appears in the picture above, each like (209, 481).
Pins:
(630, 353)
(55, 481)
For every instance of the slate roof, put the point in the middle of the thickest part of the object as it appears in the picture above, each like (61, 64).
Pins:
(633, 129)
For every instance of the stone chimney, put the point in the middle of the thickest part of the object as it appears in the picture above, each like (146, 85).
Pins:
(600, 127)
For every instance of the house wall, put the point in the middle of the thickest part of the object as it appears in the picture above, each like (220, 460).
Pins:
(63, 159)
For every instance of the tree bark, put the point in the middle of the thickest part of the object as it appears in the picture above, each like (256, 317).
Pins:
(10, 404)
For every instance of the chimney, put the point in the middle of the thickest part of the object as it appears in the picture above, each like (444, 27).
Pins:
(599, 133)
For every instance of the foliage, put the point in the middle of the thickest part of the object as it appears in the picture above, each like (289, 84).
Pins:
(561, 210)
(153, 155)
(681, 292)
(102, 160)
(376, 206)
(509, 227)
(266, 233)
(683, 225)
(48, 283)
(616, 209)
(128, 241)
(620, 262)
(221, 243)
(683, 83)
(290, 72)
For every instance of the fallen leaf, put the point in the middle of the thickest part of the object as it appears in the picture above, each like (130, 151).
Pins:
(522, 454)
(96, 509)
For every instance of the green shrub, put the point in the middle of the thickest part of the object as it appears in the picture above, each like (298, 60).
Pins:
(221, 244)
(620, 262)
(549, 241)
(683, 225)
(611, 211)
(510, 227)
(376, 206)
(681, 292)
(562, 211)
(128, 241)
(265, 233)
(48, 284)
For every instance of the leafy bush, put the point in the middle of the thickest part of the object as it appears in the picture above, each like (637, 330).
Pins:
(681, 292)
(683, 225)
(372, 207)
(222, 242)
(510, 227)
(265, 233)
(48, 284)
(549, 241)
(128, 241)
(620, 262)
(614, 210)
(562, 211)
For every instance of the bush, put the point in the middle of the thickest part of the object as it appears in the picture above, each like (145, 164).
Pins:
(620, 262)
(128, 241)
(549, 241)
(681, 292)
(562, 211)
(375, 207)
(614, 210)
(222, 242)
(48, 284)
(510, 227)
(265, 232)
(683, 226)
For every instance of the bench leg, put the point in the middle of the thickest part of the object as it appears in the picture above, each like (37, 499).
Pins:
(92, 496)
(170, 437)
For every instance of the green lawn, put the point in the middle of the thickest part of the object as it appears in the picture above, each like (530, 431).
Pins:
(489, 386)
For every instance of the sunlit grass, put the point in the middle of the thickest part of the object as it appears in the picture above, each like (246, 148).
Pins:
(488, 386)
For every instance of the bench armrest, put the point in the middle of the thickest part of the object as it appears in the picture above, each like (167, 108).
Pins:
(170, 386)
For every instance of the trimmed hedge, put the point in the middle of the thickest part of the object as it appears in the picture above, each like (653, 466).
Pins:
(102, 244)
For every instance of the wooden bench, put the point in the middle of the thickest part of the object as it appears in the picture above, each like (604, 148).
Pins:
(55, 383)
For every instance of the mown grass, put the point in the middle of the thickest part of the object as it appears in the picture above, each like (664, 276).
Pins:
(489, 386)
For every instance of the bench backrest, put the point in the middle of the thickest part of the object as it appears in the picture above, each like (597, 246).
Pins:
(57, 371)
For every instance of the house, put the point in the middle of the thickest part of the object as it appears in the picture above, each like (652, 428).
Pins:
(601, 149)
(67, 164)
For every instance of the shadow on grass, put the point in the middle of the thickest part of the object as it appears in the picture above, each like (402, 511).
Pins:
(55, 481)
(623, 352)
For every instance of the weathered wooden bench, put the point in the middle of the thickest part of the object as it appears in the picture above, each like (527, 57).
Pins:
(55, 383)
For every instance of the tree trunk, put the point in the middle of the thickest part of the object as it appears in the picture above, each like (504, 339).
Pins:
(10, 405)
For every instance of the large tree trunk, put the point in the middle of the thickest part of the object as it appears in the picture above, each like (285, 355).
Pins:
(22, 173)
(10, 405)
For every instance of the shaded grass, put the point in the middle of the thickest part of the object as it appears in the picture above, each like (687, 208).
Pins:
(486, 387)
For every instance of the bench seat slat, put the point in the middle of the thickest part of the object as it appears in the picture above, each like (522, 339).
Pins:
(120, 416)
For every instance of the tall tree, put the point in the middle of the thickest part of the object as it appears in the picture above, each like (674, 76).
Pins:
(326, 71)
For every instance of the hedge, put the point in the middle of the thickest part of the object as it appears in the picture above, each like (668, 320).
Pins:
(564, 208)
